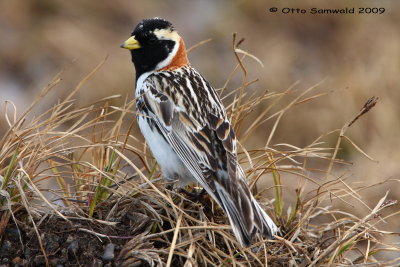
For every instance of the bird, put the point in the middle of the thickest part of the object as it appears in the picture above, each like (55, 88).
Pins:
(187, 128)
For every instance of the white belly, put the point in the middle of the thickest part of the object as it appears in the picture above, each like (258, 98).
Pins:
(171, 166)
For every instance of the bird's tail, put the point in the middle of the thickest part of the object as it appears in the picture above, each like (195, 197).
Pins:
(246, 216)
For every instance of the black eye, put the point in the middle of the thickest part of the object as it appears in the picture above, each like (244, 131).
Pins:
(152, 40)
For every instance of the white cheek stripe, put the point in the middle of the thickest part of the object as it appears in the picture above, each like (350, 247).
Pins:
(168, 35)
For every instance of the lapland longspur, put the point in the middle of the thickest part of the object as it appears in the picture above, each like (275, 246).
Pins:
(187, 129)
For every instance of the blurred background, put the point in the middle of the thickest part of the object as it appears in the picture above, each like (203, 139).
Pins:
(350, 56)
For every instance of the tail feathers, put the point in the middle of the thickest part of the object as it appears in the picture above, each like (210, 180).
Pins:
(269, 228)
(246, 216)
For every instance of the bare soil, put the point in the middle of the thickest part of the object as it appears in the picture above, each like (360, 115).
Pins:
(77, 241)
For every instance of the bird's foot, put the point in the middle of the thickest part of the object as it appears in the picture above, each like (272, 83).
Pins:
(169, 187)
(194, 195)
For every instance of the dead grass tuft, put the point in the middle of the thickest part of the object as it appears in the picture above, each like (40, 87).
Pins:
(79, 175)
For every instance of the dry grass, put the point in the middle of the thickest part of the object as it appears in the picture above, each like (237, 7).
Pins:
(80, 168)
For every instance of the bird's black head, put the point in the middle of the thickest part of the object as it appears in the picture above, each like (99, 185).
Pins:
(154, 43)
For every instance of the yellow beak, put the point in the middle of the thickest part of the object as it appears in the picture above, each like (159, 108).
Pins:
(131, 44)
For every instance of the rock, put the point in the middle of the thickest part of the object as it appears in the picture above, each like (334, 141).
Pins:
(108, 254)
(70, 238)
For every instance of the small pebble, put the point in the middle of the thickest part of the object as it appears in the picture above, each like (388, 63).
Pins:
(108, 254)
(70, 238)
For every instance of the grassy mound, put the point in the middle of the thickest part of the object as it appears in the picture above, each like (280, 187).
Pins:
(79, 187)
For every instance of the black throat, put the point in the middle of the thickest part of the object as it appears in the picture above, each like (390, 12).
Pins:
(148, 56)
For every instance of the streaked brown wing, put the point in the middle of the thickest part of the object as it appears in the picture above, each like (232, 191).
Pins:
(203, 139)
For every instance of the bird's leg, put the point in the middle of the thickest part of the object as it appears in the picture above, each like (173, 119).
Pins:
(194, 195)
